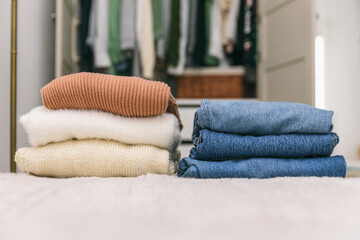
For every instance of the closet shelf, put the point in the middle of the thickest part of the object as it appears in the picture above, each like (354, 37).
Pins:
(214, 71)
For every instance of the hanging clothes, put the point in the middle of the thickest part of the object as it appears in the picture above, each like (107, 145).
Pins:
(127, 25)
(209, 60)
(245, 47)
(157, 19)
(246, 56)
(215, 44)
(192, 32)
(162, 42)
(250, 32)
(98, 34)
(136, 67)
(174, 34)
(137, 71)
(116, 55)
(200, 39)
(86, 54)
(147, 54)
(184, 30)
(127, 37)
(90, 39)
(236, 56)
(231, 25)
(225, 9)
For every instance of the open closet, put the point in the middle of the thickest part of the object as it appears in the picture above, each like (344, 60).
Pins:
(202, 48)
(216, 49)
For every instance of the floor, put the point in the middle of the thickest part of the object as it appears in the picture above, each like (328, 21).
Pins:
(167, 207)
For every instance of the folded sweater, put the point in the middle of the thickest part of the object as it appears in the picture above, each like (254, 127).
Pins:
(125, 96)
(261, 118)
(263, 168)
(221, 146)
(100, 158)
(44, 126)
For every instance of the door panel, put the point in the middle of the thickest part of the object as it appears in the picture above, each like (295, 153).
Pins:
(293, 88)
(286, 47)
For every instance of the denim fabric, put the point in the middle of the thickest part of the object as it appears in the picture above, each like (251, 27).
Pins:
(263, 168)
(222, 146)
(261, 118)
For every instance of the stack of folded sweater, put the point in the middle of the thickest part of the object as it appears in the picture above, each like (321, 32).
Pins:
(102, 125)
(262, 140)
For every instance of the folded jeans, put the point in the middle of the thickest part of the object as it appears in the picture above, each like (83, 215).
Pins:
(261, 118)
(222, 146)
(263, 168)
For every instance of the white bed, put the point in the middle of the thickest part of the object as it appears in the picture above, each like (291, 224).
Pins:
(167, 207)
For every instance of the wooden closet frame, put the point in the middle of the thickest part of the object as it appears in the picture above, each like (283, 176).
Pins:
(13, 68)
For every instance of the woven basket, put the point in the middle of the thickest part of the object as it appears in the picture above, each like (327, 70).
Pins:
(209, 86)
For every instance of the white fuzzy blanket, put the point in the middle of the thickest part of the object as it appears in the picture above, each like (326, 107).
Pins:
(167, 207)
(44, 126)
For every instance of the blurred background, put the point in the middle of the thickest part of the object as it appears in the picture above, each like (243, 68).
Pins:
(304, 51)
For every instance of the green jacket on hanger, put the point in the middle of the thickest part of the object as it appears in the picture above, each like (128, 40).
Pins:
(174, 34)
(157, 19)
(116, 55)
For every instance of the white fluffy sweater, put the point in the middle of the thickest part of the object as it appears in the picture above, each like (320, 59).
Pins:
(45, 126)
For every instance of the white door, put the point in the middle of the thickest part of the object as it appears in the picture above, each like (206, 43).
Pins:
(286, 51)
(66, 50)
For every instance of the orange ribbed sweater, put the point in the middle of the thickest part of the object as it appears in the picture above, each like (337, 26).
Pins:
(125, 96)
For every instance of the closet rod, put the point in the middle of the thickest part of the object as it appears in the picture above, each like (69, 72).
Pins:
(13, 54)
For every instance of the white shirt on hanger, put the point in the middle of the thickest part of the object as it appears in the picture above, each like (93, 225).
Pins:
(99, 33)
(184, 31)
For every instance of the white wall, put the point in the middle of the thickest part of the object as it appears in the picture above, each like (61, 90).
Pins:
(4, 85)
(35, 64)
(339, 24)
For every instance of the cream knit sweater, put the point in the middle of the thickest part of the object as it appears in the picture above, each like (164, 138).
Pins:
(100, 158)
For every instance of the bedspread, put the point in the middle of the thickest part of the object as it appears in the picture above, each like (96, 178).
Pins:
(167, 207)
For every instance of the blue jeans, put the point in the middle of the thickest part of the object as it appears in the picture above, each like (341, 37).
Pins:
(261, 118)
(263, 168)
(222, 146)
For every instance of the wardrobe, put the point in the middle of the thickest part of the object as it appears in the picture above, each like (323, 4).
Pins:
(206, 47)
(283, 66)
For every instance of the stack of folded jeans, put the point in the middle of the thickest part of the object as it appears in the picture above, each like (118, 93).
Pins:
(246, 139)
(102, 125)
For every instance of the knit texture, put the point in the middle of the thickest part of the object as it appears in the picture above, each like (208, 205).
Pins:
(44, 126)
(101, 158)
(125, 96)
